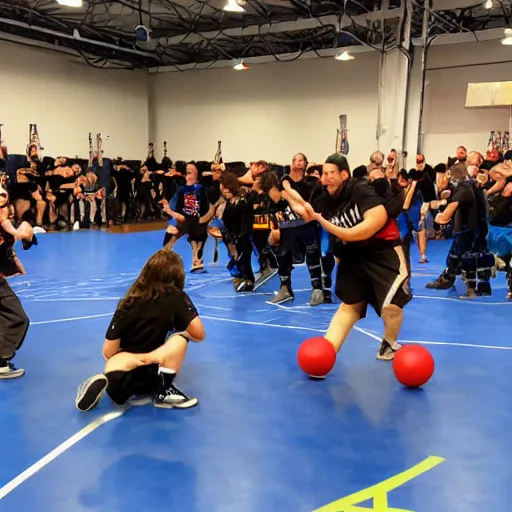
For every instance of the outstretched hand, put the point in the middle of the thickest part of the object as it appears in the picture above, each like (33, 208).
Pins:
(308, 213)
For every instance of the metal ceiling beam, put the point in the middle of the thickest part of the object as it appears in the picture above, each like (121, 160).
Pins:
(281, 27)
(76, 37)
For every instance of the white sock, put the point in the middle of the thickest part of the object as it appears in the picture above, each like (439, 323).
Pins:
(169, 371)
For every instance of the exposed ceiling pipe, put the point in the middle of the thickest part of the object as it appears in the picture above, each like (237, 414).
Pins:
(281, 27)
(76, 37)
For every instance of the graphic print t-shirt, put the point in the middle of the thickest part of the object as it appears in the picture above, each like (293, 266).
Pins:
(347, 209)
(192, 201)
(145, 325)
(261, 211)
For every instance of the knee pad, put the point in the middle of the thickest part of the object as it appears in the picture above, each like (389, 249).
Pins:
(312, 249)
(469, 262)
(486, 260)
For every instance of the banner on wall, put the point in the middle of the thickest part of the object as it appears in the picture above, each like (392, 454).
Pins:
(342, 145)
(498, 141)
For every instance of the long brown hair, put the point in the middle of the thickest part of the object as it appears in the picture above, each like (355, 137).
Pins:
(162, 273)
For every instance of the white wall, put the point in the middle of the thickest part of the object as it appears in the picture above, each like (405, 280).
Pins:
(68, 99)
(447, 123)
(269, 112)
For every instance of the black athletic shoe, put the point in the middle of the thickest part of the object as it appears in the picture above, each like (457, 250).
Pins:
(9, 371)
(441, 283)
(90, 392)
(27, 244)
(173, 398)
(387, 351)
(245, 286)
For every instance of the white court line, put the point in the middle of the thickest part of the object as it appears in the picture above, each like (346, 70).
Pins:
(246, 322)
(238, 295)
(86, 299)
(450, 343)
(462, 301)
(72, 319)
(66, 445)
(361, 330)
(74, 299)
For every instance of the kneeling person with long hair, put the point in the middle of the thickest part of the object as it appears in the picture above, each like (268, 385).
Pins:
(142, 358)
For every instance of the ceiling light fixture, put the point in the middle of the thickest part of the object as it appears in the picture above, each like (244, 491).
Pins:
(344, 56)
(233, 6)
(241, 66)
(70, 3)
(508, 37)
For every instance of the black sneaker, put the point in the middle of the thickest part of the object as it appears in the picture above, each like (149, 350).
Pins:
(245, 286)
(90, 392)
(441, 283)
(173, 398)
(327, 296)
(9, 371)
(387, 351)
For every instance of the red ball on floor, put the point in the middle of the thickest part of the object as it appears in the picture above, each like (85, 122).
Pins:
(316, 357)
(413, 366)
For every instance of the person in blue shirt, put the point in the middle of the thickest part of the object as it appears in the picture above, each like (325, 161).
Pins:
(189, 216)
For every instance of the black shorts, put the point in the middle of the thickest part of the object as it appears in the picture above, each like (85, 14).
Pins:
(377, 276)
(196, 232)
(141, 381)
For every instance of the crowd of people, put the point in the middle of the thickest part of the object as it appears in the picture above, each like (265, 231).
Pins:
(363, 219)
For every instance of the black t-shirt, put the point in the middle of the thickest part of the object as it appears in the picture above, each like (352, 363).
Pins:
(303, 187)
(235, 218)
(465, 215)
(260, 211)
(144, 326)
(347, 208)
(285, 218)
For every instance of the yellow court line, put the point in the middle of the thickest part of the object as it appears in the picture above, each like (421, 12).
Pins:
(378, 492)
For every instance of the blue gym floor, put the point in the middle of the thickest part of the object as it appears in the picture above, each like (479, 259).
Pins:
(264, 438)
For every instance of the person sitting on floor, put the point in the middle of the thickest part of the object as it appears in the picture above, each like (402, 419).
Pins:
(142, 358)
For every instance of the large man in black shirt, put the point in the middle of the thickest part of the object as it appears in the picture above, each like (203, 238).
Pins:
(371, 263)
